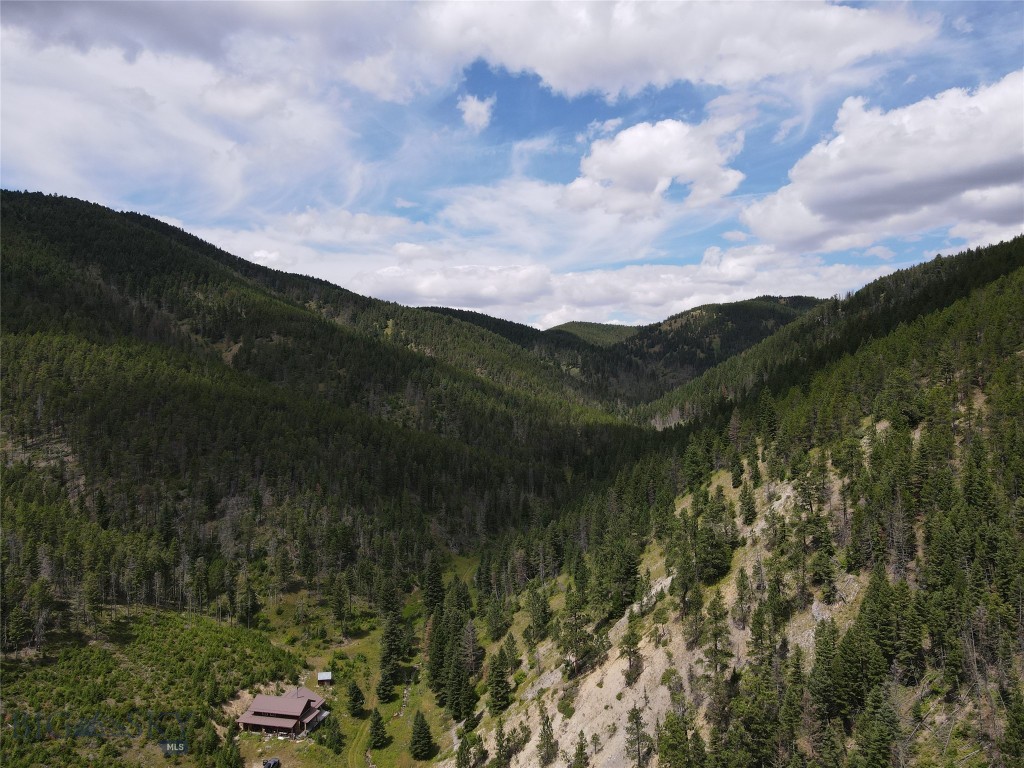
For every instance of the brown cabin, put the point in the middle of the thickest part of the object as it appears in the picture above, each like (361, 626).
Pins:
(297, 712)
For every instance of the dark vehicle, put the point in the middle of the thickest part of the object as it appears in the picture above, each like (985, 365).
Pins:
(272, 763)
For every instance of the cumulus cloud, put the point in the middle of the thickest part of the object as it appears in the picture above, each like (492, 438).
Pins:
(622, 48)
(957, 158)
(397, 50)
(476, 113)
(631, 172)
(642, 293)
(94, 123)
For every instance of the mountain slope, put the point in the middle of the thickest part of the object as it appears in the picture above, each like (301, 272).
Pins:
(459, 514)
(835, 328)
(599, 334)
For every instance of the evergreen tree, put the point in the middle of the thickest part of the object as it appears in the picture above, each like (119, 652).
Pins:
(497, 684)
(378, 734)
(638, 741)
(421, 745)
(329, 735)
(502, 750)
(791, 708)
(463, 757)
(341, 602)
(573, 638)
(744, 599)
(748, 507)
(511, 649)
(433, 586)
(674, 741)
(824, 701)
(539, 611)
(717, 650)
(909, 651)
(580, 759)
(629, 645)
(547, 748)
(355, 699)
(877, 731)
(1012, 744)
(391, 646)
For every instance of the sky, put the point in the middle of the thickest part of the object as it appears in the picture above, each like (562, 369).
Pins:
(541, 162)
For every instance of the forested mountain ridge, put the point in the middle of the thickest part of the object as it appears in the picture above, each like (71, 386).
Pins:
(642, 363)
(835, 328)
(829, 545)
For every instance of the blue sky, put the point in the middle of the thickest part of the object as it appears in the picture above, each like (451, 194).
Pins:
(540, 162)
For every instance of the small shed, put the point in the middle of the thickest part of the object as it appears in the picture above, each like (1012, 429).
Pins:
(324, 678)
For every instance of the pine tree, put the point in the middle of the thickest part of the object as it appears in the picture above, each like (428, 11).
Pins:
(540, 613)
(1012, 744)
(502, 752)
(378, 734)
(877, 730)
(791, 709)
(341, 601)
(497, 684)
(391, 643)
(744, 599)
(629, 645)
(878, 614)
(329, 735)
(580, 759)
(511, 649)
(421, 746)
(674, 742)
(463, 757)
(717, 650)
(573, 639)
(547, 748)
(433, 587)
(356, 700)
(638, 741)
(748, 507)
(821, 686)
(909, 651)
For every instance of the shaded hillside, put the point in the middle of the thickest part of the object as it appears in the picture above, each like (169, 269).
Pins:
(174, 379)
(683, 346)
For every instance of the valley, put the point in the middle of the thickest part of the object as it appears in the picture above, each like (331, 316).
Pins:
(784, 531)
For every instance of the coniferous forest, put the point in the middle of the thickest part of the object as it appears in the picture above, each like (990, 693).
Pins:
(781, 532)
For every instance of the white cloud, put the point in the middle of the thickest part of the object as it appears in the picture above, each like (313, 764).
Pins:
(631, 172)
(639, 293)
(476, 113)
(395, 50)
(955, 159)
(95, 123)
(622, 48)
